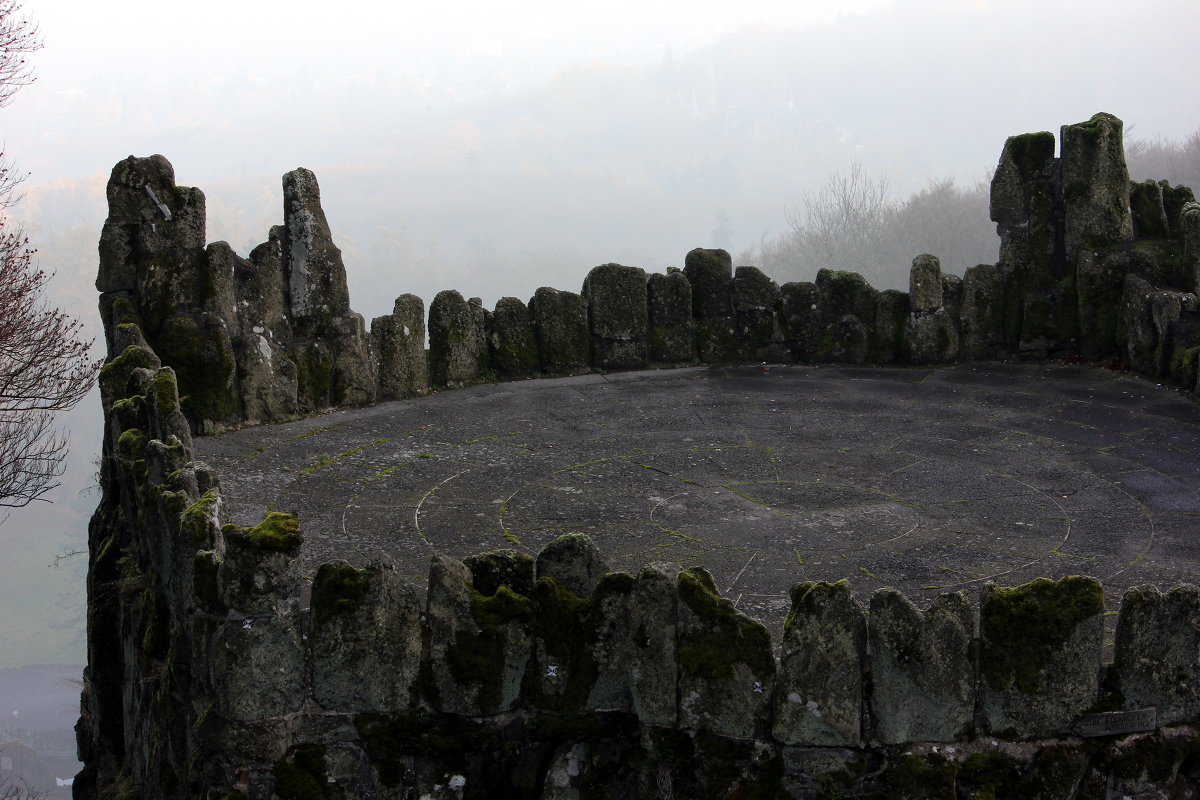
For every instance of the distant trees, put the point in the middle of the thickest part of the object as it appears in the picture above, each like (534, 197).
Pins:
(853, 223)
(1177, 161)
(44, 365)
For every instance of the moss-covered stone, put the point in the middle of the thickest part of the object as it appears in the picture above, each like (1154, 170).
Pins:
(820, 694)
(617, 303)
(513, 352)
(669, 320)
(511, 568)
(199, 351)
(560, 328)
(478, 659)
(1040, 653)
(726, 667)
(278, 532)
(914, 777)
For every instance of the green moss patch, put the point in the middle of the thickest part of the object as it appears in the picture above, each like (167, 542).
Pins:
(725, 638)
(1025, 627)
(278, 532)
(479, 659)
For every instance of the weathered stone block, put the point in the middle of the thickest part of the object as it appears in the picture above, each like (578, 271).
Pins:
(1147, 210)
(581, 647)
(244, 655)
(313, 271)
(726, 668)
(819, 699)
(932, 338)
(560, 329)
(710, 273)
(574, 561)
(891, 327)
(981, 315)
(457, 341)
(478, 645)
(1049, 320)
(366, 638)
(617, 316)
(1137, 336)
(922, 670)
(669, 299)
(1174, 199)
(1189, 232)
(1095, 185)
(1021, 185)
(511, 568)
(952, 295)
(840, 293)
(398, 342)
(1156, 646)
(800, 319)
(755, 301)
(1040, 655)
(510, 340)
(653, 661)
(925, 284)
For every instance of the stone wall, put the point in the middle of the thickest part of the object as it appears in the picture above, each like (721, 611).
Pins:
(214, 672)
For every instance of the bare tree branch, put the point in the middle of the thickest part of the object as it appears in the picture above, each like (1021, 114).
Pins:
(44, 365)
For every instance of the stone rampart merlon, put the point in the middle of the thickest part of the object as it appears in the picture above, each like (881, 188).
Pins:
(212, 674)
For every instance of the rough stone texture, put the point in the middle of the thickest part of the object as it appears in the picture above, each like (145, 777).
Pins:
(891, 327)
(1023, 206)
(1156, 646)
(922, 671)
(726, 669)
(1099, 276)
(366, 638)
(653, 670)
(314, 282)
(481, 641)
(710, 274)
(617, 316)
(755, 301)
(574, 561)
(932, 338)
(981, 316)
(846, 306)
(398, 342)
(1148, 210)
(513, 352)
(669, 320)
(1174, 199)
(243, 336)
(819, 698)
(1095, 185)
(1040, 654)
(925, 284)
(457, 341)
(560, 328)
(799, 319)
(1189, 232)
(1139, 338)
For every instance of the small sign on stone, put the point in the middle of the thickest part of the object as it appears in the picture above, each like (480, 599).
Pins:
(1117, 722)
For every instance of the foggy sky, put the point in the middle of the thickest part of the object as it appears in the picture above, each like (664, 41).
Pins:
(495, 148)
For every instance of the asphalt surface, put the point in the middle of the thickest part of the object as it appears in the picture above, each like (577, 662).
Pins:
(927, 480)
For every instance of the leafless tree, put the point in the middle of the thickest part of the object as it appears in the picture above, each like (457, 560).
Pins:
(44, 364)
(852, 223)
(1177, 161)
(12, 791)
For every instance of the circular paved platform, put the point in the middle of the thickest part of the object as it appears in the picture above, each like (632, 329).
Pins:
(923, 479)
